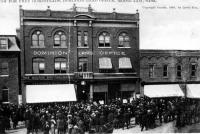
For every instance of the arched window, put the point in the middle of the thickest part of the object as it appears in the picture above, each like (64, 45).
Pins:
(60, 65)
(60, 39)
(104, 40)
(124, 40)
(37, 39)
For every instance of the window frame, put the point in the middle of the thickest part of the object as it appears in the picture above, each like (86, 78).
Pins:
(38, 39)
(124, 40)
(4, 69)
(60, 40)
(2, 44)
(38, 62)
(104, 35)
(165, 71)
(151, 70)
(60, 61)
(178, 71)
(191, 70)
(82, 40)
(5, 89)
(82, 63)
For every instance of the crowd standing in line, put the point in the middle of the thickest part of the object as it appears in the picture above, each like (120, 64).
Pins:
(78, 118)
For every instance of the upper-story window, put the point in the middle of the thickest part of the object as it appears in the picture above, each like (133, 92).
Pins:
(178, 71)
(104, 39)
(38, 65)
(151, 70)
(125, 65)
(193, 70)
(4, 70)
(60, 40)
(5, 94)
(3, 43)
(165, 70)
(37, 39)
(105, 65)
(124, 40)
(83, 64)
(60, 65)
(82, 39)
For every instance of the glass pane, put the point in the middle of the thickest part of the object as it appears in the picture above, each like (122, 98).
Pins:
(121, 38)
(35, 68)
(57, 43)
(41, 37)
(57, 65)
(101, 39)
(107, 39)
(63, 37)
(63, 43)
(56, 37)
(41, 43)
(126, 38)
(34, 37)
(41, 66)
(34, 43)
(63, 66)
(126, 44)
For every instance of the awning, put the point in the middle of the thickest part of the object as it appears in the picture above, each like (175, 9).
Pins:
(127, 87)
(50, 93)
(156, 91)
(125, 63)
(105, 63)
(100, 88)
(193, 91)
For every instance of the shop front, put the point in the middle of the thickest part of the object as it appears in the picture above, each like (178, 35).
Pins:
(50, 93)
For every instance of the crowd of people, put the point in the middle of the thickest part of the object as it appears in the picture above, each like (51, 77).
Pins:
(78, 118)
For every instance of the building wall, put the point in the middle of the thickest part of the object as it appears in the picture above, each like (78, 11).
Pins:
(172, 58)
(12, 80)
(48, 22)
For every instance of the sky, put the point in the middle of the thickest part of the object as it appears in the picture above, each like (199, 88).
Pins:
(164, 24)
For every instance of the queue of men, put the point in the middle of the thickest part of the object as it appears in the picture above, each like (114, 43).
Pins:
(78, 118)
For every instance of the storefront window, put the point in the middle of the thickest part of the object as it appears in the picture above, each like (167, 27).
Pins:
(38, 65)
(60, 65)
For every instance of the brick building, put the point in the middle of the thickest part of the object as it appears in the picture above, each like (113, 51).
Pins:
(166, 67)
(96, 52)
(9, 69)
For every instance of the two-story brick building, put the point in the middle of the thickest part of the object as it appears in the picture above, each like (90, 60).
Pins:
(9, 69)
(172, 71)
(94, 53)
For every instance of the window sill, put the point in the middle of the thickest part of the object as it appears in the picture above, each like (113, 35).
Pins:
(104, 47)
(82, 47)
(59, 47)
(37, 47)
(4, 75)
(124, 47)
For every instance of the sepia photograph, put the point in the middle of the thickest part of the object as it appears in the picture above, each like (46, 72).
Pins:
(99, 66)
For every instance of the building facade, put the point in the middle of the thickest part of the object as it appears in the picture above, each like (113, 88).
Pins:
(97, 52)
(169, 67)
(9, 69)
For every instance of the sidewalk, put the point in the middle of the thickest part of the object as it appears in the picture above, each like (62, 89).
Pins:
(164, 128)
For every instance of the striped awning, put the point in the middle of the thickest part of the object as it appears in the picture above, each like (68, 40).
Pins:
(125, 63)
(165, 90)
(105, 63)
(193, 91)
